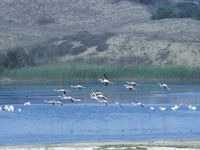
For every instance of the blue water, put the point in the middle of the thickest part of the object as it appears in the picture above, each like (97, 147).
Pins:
(90, 121)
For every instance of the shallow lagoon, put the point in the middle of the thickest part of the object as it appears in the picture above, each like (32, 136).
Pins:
(89, 121)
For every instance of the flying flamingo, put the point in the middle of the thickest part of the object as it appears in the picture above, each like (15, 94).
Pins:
(164, 86)
(105, 80)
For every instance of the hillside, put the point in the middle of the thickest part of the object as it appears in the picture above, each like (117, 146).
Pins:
(110, 31)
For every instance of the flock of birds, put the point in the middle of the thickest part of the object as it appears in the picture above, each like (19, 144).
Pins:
(99, 97)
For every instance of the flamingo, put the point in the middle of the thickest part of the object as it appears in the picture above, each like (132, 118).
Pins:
(164, 86)
(65, 97)
(78, 86)
(137, 104)
(99, 97)
(60, 90)
(162, 108)
(131, 83)
(9, 108)
(27, 104)
(93, 96)
(152, 108)
(174, 108)
(130, 87)
(69, 98)
(105, 80)
(53, 102)
(192, 107)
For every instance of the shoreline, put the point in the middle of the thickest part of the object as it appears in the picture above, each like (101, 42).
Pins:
(137, 145)
(61, 81)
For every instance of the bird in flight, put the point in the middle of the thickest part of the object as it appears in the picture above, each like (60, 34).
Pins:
(164, 86)
(105, 80)
(78, 86)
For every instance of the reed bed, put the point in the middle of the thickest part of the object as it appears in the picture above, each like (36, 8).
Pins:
(94, 71)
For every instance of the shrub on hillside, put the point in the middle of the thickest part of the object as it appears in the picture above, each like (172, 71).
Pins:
(17, 58)
(44, 20)
(145, 1)
(180, 10)
(191, 10)
(164, 12)
(78, 50)
(102, 47)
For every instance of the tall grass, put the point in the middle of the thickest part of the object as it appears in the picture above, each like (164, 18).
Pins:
(94, 71)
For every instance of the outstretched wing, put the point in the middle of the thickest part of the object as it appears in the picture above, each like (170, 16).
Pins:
(105, 76)
(142, 105)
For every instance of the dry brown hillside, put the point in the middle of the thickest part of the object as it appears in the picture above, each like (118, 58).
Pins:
(133, 36)
(168, 41)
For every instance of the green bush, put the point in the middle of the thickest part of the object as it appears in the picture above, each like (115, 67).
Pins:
(180, 10)
(78, 50)
(17, 58)
(164, 12)
(145, 1)
(191, 10)
(44, 20)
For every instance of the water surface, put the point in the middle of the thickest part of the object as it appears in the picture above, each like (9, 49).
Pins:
(90, 121)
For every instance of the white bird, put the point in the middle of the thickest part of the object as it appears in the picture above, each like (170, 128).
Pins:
(27, 104)
(19, 110)
(174, 108)
(60, 90)
(9, 108)
(164, 86)
(69, 98)
(99, 97)
(130, 87)
(93, 96)
(192, 107)
(152, 108)
(131, 83)
(0, 108)
(162, 108)
(76, 100)
(137, 104)
(53, 102)
(105, 80)
(78, 86)
(12, 108)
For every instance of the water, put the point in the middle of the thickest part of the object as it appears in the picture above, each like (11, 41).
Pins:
(89, 121)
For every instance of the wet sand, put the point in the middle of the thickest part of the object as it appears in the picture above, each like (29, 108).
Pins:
(150, 145)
